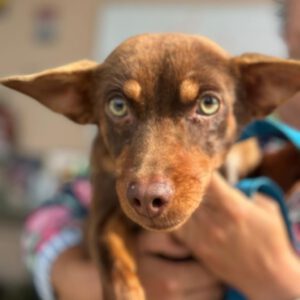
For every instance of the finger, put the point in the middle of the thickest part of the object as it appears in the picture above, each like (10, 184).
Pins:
(265, 202)
(173, 281)
(221, 196)
(231, 209)
(176, 277)
(201, 233)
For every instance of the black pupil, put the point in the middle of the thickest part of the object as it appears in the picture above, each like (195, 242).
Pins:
(119, 105)
(209, 101)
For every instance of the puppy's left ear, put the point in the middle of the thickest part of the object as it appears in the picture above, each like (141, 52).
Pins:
(265, 82)
(65, 90)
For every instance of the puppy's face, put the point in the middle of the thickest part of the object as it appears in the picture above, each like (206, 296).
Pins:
(168, 107)
(167, 117)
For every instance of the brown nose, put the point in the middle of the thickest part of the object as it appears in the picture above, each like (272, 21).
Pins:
(149, 200)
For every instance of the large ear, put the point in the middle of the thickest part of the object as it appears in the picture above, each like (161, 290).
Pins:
(65, 90)
(265, 82)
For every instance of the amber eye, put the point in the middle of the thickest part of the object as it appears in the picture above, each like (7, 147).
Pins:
(208, 105)
(118, 107)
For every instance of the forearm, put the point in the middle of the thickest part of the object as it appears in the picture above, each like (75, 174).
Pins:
(282, 281)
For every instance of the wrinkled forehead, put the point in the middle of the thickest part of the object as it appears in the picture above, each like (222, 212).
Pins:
(156, 62)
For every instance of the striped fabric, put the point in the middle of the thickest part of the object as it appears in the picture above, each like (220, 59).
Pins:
(53, 228)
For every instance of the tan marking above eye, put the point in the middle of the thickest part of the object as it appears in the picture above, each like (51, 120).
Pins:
(189, 90)
(132, 90)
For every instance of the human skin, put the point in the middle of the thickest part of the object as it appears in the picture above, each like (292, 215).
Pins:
(244, 243)
(74, 277)
(173, 280)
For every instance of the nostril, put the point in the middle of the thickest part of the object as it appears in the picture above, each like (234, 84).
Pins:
(157, 203)
(136, 202)
(149, 198)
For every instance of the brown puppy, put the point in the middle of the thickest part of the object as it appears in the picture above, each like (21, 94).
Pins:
(168, 108)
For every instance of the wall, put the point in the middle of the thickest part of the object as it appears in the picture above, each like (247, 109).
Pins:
(39, 129)
(238, 26)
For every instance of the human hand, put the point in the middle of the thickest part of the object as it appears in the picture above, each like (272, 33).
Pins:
(75, 277)
(168, 271)
(244, 243)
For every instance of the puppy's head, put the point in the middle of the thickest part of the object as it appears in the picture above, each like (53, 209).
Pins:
(168, 107)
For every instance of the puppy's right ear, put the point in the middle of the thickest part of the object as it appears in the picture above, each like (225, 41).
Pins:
(65, 90)
(266, 82)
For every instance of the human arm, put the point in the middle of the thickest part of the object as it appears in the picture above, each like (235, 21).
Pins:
(244, 243)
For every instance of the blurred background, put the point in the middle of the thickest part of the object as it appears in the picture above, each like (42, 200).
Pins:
(38, 149)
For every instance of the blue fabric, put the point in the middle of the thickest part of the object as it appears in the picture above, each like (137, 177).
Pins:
(265, 130)
(271, 128)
